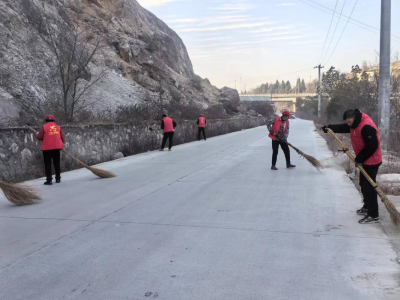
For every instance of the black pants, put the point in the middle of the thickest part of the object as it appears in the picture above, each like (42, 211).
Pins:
(167, 135)
(48, 156)
(202, 130)
(369, 193)
(275, 149)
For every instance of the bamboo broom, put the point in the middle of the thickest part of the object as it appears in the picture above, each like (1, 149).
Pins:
(390, 207)
(98, 172)
(312, 160)
(19, 194)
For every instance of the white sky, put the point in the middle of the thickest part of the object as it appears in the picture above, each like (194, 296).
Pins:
(257, 41)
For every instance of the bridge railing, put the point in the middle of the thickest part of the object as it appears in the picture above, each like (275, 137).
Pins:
(279, 95)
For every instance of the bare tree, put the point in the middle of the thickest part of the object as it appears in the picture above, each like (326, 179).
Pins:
(74, 49)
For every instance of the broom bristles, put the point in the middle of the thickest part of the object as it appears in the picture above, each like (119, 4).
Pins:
(19, 194)
(101, 173)
(391, 208)
(312, 160)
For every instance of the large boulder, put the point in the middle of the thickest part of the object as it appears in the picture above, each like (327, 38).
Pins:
(125, 50)
(230, 95)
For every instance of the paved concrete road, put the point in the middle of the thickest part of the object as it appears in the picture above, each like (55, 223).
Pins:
(208, 220)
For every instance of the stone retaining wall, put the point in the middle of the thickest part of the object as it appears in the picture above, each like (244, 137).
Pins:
(390, 183)
(21, 157)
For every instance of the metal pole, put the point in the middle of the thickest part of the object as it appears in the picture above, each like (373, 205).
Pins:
(384, 75)
(319, 89)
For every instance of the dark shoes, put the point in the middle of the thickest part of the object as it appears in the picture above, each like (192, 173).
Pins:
(362, 211)
(287, 166)
(48, 183)
(368, 220)
(58, 180)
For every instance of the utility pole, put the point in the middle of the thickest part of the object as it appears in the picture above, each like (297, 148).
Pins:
(384, 75)
(319, 67)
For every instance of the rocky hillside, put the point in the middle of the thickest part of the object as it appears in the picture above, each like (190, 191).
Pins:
(141, 58)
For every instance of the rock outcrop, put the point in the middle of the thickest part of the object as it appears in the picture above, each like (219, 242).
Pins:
(143, 58)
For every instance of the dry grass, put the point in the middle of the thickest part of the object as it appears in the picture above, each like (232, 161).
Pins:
(19, 194)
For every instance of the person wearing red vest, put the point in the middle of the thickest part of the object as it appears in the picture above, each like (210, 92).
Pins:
(278, 132)
(201, 123)
(168, 125)
(366, 144)
(52, 139)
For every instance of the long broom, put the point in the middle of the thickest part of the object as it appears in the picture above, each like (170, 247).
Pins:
(98, 172)
(19, 194)
(390, 207)
(312, 160)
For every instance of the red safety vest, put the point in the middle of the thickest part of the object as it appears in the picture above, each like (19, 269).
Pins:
(168, 125)
(358, 142)
(52, 137)
(202, 122)
(276, 126)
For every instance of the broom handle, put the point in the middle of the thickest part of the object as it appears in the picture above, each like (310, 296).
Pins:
(290, 145)
(75, 159)
(362, 170)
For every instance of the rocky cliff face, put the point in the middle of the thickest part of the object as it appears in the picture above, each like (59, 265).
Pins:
(143, 58)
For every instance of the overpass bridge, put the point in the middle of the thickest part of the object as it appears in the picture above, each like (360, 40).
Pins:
(280, 101)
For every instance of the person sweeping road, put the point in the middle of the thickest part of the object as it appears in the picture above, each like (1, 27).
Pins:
(201, 123)
(53, 142)
(366, 144)
(279, 132)
(168, 125)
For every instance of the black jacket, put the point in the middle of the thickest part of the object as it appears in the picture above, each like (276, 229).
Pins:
(368, 134)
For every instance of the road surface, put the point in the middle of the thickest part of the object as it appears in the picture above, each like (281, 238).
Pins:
(208, 220)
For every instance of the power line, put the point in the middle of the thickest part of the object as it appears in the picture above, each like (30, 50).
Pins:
(333, 35)
(342, 32)
(360, 24)
(329, 30)
(354, 20)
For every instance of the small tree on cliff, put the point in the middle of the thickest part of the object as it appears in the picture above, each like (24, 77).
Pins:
(74, 49)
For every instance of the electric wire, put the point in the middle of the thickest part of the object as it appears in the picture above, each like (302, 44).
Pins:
(352, 21)
(329, 30)
(333, 35)
(355, 4)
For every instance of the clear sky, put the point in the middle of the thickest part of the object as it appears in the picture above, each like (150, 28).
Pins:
(257, 41)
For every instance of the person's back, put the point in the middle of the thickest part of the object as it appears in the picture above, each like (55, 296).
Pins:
(201, 124)
(168, 125)
(52, 139)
